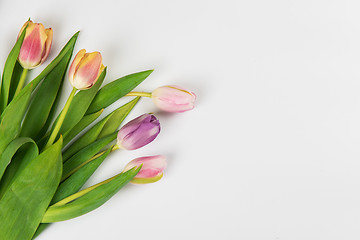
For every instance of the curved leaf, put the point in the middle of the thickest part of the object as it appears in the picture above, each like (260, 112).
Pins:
(10, 151)
(25, 202)
(24, 150)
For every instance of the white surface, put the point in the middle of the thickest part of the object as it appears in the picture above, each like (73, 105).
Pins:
(272, 149)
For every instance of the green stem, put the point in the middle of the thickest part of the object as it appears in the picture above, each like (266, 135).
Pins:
(139, 94)
(61, 119)
(21, 81)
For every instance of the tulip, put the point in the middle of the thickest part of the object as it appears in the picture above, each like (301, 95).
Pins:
(173, 99)
(138, 132)
(85, 69)
(151, 170)
(36, 45)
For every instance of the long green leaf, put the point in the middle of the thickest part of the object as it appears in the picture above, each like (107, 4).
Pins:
(24, 204)
(44, 99)
(116, 90)
(87, 138)
(86, 153)
(10, 151)
(11, 118)
(8, 72)
(79, 178)
(20, 151)
(15, 79)
(84, 122)
(93, 198)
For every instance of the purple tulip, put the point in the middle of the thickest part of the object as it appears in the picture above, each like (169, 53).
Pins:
(138, 132)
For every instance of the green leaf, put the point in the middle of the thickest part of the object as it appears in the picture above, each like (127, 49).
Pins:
(85, 154)
(84, 122)
(8, 71)
(106, 126)
(74, 183)
(11, 118)
(10, 151)
(89, 199)
(116, 90)
(44, 99)
(87, 138)
(77, 180)
(20, 151)
(24, 204)
(15, 79)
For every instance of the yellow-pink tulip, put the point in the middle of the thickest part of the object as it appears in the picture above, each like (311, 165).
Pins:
(85, 69)
(36, 45)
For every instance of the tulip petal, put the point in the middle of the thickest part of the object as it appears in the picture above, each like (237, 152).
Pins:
(48, 42)
(23, 27)
(74, 65)
(132, 126)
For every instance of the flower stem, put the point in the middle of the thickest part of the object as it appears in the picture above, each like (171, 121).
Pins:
(115, 147)
(139, 94)
(61, 119)
(21, 81)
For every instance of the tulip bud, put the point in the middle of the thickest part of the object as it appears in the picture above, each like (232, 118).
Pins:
(151, 170)
(36, 45)
(138, 132)
(85, 69)
(173, 99)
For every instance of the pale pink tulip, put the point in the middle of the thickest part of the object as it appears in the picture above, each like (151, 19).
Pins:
(151, 171)
(173, 99)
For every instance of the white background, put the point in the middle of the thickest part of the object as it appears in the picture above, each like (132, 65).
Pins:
(271, 150)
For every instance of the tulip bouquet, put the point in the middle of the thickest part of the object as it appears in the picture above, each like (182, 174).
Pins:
(45, 159)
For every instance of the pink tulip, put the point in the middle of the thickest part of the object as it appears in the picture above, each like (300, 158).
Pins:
(151, 170)
(173, 99)
(85, 69)
(36, 45)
